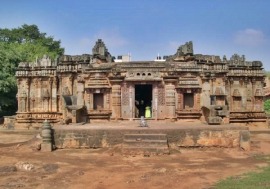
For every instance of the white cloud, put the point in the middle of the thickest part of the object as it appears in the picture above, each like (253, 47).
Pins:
(249, 37)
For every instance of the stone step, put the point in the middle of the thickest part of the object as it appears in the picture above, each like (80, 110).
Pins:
(254, 132)
(145, 144)
(149, 143)
(260, 135)
(140, 137)
(133, 150)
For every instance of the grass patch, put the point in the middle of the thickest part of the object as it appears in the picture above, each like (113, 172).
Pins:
(263, 157)
(258, 180)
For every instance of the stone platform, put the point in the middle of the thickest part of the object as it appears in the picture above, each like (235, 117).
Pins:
(179, 134)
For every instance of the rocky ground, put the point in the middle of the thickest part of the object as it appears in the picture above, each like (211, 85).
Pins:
(22, 165)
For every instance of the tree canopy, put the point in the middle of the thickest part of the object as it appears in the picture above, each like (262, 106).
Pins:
(22, 44)
(267, 106)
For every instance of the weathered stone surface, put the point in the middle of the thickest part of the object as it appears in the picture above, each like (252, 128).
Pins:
(213, 136)
(26, 166)
(46, 133)
(245, 140)
(79, 89)
(46, 147)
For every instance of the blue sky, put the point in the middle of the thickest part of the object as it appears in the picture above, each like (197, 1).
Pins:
(146, 28)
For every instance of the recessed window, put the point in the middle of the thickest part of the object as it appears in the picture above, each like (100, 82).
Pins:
(143, 74)
(138, 74)
(98, 101)
(149, 74)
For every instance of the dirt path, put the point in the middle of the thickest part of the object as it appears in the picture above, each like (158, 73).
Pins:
(104, 168)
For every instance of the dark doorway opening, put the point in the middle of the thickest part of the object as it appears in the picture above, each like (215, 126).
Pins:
(98, 101)
(143, 99)
(188, 100)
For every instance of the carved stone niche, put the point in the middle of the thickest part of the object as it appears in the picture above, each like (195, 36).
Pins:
(45, 94)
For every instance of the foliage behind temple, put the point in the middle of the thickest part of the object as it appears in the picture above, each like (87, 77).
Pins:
(22, 44)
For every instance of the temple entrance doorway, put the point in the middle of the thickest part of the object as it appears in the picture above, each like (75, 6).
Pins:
(143, 101)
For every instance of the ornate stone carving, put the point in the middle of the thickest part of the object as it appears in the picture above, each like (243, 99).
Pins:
(95, 80)
(125, 95)
(161, 96)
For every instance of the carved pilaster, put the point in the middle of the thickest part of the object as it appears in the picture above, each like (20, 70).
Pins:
(80, 91)
(116, 101)
(126, 92)
(54, 95)
(70, 84)
(155, 102)
(170, 99)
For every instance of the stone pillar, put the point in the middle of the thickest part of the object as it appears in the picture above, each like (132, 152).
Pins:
(60, 88)
(46, 133)
(91, 100)
(54, 95)
(87, 99)
(170, 100)
(70, 84)
(116, 101)
(230, 92)
(180, 100)
(50, 82)
(33, 96)
(155, 102)
(253, 83)
(27, 88)
(107, 99)
(39, 96)
(126, 111)
(80, 93)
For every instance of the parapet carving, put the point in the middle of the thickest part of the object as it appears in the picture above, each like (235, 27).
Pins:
(207, 58)
(85, 58)
(45, 61)
(237, 60)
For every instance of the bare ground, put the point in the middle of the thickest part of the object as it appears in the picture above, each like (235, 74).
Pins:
(108, 168)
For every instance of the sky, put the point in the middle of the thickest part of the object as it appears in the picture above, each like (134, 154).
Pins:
(146, 28)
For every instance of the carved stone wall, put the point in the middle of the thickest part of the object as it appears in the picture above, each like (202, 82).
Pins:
(233, 84)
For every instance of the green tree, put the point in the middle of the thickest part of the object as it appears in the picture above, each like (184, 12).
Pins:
(267, 106)
(9, 59)
(23, 44)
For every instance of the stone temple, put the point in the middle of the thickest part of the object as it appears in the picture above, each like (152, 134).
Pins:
(88, 87)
